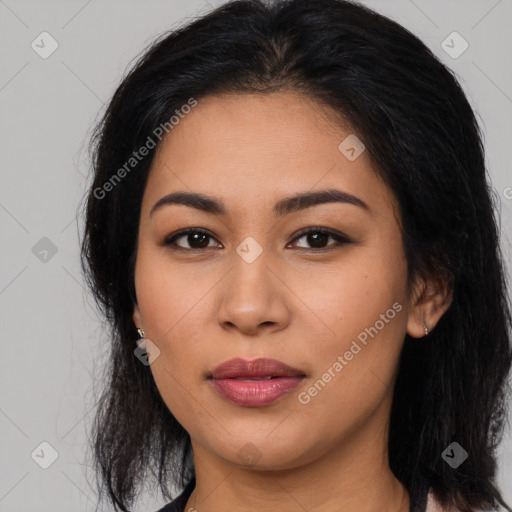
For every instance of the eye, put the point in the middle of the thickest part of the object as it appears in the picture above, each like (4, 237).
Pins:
(197, 239)
(318, 237)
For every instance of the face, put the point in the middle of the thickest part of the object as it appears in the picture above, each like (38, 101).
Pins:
(319, 284)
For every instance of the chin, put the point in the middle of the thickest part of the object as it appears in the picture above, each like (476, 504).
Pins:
(262, 454)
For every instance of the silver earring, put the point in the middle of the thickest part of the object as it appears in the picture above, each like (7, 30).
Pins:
(141, 333)
(426, 329)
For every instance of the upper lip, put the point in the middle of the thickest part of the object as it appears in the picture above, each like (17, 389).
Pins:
(261, 367)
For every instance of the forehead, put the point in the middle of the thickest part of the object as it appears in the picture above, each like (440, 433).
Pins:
(256, 126)
(252, 149)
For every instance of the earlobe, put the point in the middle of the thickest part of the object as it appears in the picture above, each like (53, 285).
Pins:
(428, 306)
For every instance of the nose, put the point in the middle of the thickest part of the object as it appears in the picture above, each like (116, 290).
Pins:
(254, 297)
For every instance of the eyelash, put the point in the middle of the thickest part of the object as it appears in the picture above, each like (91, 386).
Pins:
(340, 239)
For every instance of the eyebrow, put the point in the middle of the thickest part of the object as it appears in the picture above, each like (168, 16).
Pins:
(283, 207)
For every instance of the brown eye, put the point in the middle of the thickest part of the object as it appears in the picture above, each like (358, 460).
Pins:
(196, 239)
(318, 238)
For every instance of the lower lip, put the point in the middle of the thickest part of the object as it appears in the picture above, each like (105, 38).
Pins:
(255, 393)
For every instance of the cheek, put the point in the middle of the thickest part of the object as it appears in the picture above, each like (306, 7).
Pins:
(172, 305)
(362, 310)
(167, 293)
(172, 312)
(355, 294)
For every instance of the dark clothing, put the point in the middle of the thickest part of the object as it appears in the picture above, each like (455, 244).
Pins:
(418, 503)
(178, 504)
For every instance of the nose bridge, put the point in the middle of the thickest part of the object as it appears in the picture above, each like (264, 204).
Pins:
(251, 295)
(250, 279)
(251, 263)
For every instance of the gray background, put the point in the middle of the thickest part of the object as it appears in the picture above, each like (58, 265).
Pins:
(53, 342)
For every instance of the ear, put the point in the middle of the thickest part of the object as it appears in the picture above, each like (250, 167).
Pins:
(136, 317)
(430, 299)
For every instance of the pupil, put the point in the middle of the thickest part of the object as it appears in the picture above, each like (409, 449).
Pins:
(200, 238)
(317, 239)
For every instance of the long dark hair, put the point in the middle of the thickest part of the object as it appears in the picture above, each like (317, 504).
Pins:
(424, 141)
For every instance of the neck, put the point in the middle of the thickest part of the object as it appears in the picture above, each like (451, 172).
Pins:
(352, 476)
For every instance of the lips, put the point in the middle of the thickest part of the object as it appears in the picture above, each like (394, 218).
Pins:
(254, 383)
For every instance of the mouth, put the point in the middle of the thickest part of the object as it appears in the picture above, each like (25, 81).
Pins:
(254, 383)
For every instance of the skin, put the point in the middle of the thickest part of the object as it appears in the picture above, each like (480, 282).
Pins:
(203, 306)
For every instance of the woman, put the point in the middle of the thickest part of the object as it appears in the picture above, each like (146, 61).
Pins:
(290, 206)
